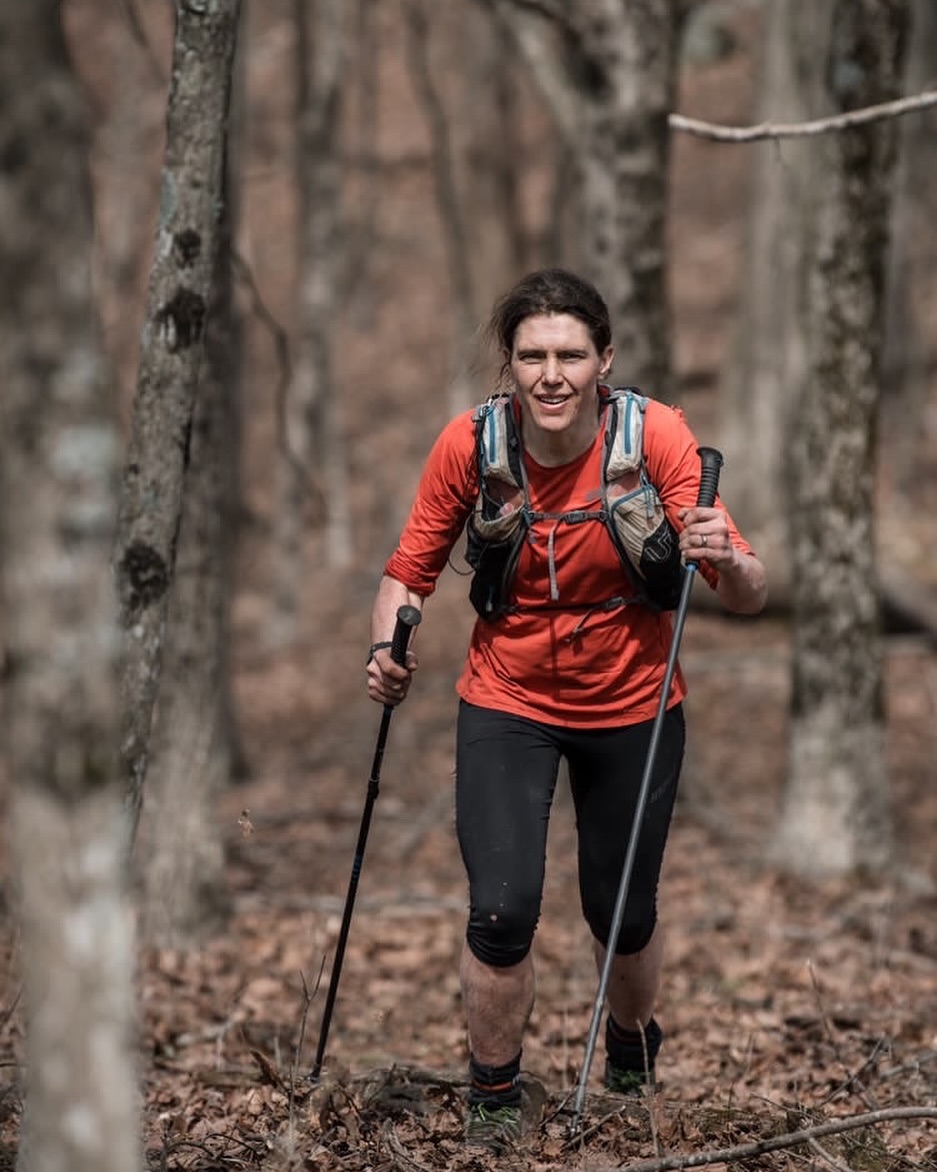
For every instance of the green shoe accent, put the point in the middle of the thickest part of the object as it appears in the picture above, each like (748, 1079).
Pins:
(494, 1128)
(627, 1082)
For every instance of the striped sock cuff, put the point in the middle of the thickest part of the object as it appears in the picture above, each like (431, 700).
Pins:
(495, 1084)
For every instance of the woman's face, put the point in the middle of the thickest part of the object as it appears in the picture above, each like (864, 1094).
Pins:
(556, 370)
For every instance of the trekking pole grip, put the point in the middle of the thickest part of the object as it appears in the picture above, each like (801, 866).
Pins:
(408, 617)
(710, 465)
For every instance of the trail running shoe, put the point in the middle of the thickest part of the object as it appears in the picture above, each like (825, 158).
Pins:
(494, 1128)
(627, 1082)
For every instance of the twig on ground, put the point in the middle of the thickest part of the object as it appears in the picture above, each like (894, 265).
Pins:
(912, 1066)
(417, 1074)
(215, 1033)
(829, 1158)
(399, 1156)
(297, 1054)
(852, 1082)
(580, 1137)
(648, 1095)
(268, 1071)
(854, 1078)
(777, 1143)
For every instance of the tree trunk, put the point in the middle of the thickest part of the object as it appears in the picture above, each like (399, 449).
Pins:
(768, 358)
(461, 279)
(629, 74)
(492, 127)
(365, 169)
(131, 142)
(316, 468)
(836, 816)
(608, 69)
(910, 361)
(173, 343)
(59, 454)
(181, 853)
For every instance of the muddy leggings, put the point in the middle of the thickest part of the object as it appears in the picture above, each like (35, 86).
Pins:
(506, 771)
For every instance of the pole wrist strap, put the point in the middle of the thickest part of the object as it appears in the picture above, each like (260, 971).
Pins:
(377, 647)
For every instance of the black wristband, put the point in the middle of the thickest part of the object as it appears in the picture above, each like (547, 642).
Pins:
(376, 647)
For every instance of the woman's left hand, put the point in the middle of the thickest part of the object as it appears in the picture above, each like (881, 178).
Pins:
(705, 537)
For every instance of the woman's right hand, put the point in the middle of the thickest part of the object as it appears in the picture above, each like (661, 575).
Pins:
(388, 682)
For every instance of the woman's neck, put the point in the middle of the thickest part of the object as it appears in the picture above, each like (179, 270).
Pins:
(551, 449)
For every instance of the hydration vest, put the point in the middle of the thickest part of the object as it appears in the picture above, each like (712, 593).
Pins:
(629, 509)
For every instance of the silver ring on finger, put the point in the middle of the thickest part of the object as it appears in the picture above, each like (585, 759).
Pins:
(705, 540)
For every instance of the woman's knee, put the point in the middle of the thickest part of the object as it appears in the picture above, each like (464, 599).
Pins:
(501, 936)
(634, 935)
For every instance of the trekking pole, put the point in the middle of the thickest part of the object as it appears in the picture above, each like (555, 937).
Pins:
(408, 617)
(710, 463)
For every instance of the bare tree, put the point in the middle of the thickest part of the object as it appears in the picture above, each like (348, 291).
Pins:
(608, 70)
(196, 750)
(365, 166)
(493, 123)
(768, 357)
(59, 456)
(315, 472)
(482, 124)
(450, 205)
(836, 816)
(172, 347)
(910, 364)
(127, 174)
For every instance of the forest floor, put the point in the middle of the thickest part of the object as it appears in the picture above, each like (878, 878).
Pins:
(786, 1006)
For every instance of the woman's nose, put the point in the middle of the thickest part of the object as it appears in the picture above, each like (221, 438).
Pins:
(550, 372)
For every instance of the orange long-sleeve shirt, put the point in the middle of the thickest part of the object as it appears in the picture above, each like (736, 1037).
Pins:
(589, 669)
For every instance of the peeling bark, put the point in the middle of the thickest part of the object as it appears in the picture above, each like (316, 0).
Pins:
(187, 242)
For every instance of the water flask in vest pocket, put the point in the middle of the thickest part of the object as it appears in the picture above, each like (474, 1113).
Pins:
(493, 539)
(647, 542)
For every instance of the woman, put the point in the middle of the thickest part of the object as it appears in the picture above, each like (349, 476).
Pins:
(569, 663)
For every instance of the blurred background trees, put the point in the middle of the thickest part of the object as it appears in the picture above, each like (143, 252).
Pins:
(529, 134)
(60, 456)
(292, 287)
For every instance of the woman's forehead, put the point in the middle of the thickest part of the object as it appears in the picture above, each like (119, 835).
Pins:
(552, 331)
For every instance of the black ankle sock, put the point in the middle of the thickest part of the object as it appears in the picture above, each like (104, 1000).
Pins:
(498, 1085)
(625, 1048)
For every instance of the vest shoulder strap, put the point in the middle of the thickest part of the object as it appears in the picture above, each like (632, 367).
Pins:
(624, 431)
(497, 441)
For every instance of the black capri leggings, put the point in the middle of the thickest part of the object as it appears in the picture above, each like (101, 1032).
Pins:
(506, 770)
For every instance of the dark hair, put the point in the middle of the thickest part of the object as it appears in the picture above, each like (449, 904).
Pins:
(550, 291)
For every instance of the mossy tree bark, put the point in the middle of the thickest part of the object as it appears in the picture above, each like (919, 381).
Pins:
(836, 816)
(179, 294)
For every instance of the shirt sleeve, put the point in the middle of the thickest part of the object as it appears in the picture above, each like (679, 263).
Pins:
(673, 465)
(444, 498)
